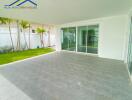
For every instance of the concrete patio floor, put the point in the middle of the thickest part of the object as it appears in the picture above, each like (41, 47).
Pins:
(65, 76)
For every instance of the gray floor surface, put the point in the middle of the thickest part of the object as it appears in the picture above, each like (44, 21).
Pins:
(66, 76)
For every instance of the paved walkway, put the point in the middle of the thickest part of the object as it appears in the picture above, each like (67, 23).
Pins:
(65, 76)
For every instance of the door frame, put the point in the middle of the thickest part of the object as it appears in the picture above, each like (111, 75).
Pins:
(76, 26)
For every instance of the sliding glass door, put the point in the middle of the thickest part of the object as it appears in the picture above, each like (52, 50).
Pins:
(82, 39)
(92, 39)
(130, 50)
(68, 41)
(87, 39)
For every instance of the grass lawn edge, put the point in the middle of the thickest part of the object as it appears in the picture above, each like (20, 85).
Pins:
(2, 65)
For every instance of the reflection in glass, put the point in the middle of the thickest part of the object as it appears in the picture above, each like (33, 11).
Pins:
(69, 39)
(82, 38)
(130, 50)
(87, 39)
(92, 39)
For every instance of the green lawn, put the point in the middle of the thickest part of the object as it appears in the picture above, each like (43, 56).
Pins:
(14, 56)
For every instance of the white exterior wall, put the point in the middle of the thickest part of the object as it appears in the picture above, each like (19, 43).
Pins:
(112, 31)
(112, 37)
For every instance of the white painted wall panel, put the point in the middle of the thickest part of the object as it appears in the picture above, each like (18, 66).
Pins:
(112, 32)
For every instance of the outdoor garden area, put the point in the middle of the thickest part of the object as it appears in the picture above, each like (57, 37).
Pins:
(19, 55)
(21, 39)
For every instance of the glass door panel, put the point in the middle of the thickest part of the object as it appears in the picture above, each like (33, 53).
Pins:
(92, 39)
(72, 38)
(130, 50)
(68, 39)
(82, 38)
(87, 39)
(64, 42)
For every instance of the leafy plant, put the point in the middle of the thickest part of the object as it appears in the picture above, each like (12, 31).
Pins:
(24, 25)
(8, 21)
(41, 31)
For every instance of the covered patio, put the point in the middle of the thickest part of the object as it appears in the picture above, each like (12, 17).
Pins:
(65, 76)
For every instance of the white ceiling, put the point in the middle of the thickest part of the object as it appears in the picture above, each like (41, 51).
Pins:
(64, 11)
